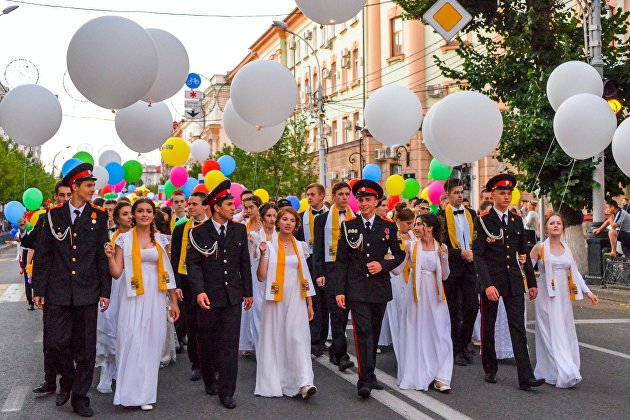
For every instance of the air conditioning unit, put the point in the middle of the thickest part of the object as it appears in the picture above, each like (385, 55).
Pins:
(396, 170)
(292, 45)
(328, 44)
(435, 91)
(308, 35)
(333, 175)
(345, 62)
(344, 173)
(390, 152)
(346, 124)
(379, 154)
(326, 74)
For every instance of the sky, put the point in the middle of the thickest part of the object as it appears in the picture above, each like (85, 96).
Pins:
(41, 35)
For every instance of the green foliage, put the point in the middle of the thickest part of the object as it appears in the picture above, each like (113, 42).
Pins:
(285, 169)
(522, 41)
(20, 172)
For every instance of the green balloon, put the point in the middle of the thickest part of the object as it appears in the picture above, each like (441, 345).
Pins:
(133, 171)
(434, 208)
(169, 188)
(32, 198)
(439, 171)
(84, 157)
(181, 221)
(412, 188)
(111, 196)
(29, 227)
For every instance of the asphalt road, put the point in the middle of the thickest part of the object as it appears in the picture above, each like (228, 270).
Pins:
(603, 331)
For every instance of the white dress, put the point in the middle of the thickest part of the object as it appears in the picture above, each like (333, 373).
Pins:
(425, 344)
(557, 351)
(284, 349)
(502, 339)
(141, 335)
(249, 332)
(106, 325)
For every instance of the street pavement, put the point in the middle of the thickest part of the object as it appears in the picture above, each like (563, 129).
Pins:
(603, 332)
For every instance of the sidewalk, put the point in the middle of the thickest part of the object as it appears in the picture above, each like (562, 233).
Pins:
(617, 294)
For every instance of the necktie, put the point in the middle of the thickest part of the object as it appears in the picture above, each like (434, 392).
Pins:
(316, 212)
(504, 220)
(456, 212)
(367, 227)
(222, 232)
(76, 217)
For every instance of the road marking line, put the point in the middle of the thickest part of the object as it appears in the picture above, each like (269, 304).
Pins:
(596, 348)
(595, 321)
(13, 293)
(15, 400)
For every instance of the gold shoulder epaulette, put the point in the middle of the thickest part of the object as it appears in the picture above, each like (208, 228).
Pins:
(97, 207)
(350, 218)
(483, 213)
(55, 206)
(387, 218)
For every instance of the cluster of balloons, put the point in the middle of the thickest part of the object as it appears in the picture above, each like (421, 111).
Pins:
(110, 175)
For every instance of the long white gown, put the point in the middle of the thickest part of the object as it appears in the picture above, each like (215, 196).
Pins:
(141, 335)
(284, 348)
(250, 320)
(557, 351)
(106, 326)
(425, 344)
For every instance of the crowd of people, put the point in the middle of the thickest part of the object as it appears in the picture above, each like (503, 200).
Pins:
(117, 282)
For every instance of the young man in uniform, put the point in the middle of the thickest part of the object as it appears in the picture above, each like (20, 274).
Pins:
(361, 276)
(73, 280)
(501, 257)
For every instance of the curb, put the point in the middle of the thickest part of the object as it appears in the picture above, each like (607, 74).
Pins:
(612, 294)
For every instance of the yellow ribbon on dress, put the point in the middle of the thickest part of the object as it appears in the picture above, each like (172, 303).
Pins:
(414, 285)
(114, 236)
(452, 229)
(136, 260)
(277, 286)
(407, 268)
(572, 286)
(181, 266)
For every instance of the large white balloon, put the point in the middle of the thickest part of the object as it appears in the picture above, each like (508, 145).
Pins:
(173, 66)
(264, 93)
(101, 175)
(109, 156)
(393, 115)
(142, 127)
(330, 12)
(621, 147)
(247, 137)
(200, 150)
(572, 78)
(432, 146)
(584, 125)
(474, 134)
(112, 61)
(30, 115)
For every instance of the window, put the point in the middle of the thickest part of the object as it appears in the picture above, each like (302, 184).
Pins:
(344, 130)
(396, 36)
(324, 83)
(315, 138)
(333, 133)
(355, 64)
(299, 85)
(307, 89)
(298, 50)
(291, 54)
(314, 40)
(333, 77)
(355, 122)
(315, 90)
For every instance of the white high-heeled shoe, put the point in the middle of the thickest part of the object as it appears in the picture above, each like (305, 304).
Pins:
(440, 386)
(146, 407)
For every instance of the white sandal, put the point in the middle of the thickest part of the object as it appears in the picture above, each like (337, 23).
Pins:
(146, 407)
(440, 386)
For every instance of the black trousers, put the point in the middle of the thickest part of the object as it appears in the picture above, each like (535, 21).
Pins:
(515, 308)
(463, 303)
(71, 340)
(338, 323)
(181, 325)
(28, 289)
(367, 319)
(50, 372)
(319, 324)
(218, 334)
(189, 308)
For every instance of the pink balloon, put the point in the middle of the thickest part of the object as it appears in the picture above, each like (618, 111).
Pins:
(120, 186)
(236, 189)
(168, 203)
(353, 203)
(179, 176)
(436, 189)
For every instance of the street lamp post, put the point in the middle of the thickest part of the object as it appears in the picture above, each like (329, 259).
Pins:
(8, 10)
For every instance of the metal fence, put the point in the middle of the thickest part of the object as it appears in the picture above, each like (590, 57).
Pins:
(616, 271)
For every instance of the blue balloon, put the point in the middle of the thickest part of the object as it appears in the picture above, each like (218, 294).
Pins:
(295, 202)
(193, 81)
(14, 211)
(116, 172)
(227, 164)
(13, 232)
(69, 165)
(131, 188)
(372, 172)
(189, 186)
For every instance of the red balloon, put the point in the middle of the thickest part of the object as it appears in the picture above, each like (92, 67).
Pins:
(29, 214)
(352, 182)
(392, 200)
(106, 189)
(48, 202)
(210, 165)
(201, 188)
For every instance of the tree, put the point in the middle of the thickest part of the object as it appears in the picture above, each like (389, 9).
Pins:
(285, 169)
(522, 41)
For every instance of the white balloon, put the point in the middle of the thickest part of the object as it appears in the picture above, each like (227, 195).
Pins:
(432, 146)
(247, 137)
(112, 61)
(621, 147)
(584, 125)
(572, 78)
(30, 115)
(144, 128)
(101, 175)
(151, 195)
(330, 12)
(474, 134)
(200, 150)
(173, 66)
(393, 115)
(264, 93)
(109, 156)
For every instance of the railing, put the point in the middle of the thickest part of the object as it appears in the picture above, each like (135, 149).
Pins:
(616, 271)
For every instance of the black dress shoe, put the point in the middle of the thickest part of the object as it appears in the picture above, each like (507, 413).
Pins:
(31, 307)
(83, 410)
(531, 383)
(212, 389)
(316, 350)
(460, 360)
(490, 378)
(62, 398)
(345, 363)
(194, 375)
(468, 356)
(364, 392)
(45, 388)
(333, 359)
(228, 402)
(377, 385)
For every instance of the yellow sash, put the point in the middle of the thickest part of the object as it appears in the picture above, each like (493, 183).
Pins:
(336, 228)
(415, 273)
(173, 221)
(181, 267)
(572, 286)
(407, 268)
(311, 226)
(277, 286)
(136, 259)
(114, 236)
(452, 229)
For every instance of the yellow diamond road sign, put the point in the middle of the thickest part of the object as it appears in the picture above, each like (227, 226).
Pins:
(447, 17)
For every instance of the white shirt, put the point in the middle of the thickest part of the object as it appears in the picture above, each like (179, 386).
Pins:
(198, 222)
(218, 225)
(371, 220)
(500, 214)
(461, 226)
(73, 215)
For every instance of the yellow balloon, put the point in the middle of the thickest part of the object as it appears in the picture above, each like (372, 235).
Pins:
(425, 193)
(395, 185)
(303, 205)
(516, 197)
(175, 151)
(35, 217)
(213, 178)
(262, 194)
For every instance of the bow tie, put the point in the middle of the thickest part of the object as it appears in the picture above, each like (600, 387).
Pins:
(112, 229)
(342, 212)
(456, 212)
(316, 212)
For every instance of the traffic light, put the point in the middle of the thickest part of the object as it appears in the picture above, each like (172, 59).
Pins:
(611, 90)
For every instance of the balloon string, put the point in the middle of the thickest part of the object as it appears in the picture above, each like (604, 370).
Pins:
(543, 164)
(566, 186)
(256, 171)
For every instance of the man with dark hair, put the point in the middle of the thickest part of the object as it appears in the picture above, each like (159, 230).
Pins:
(179, 247)
(624, 205)
(460, 287)
(240, 217)
(178, 205)
(619, 223)
(219, 271)
(421, 207)
(466, 203)
(485, 195)
(73, 280)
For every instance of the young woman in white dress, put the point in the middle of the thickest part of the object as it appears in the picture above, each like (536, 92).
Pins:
(557, 351)
(140, 259)
(284, 365)
(107, 321)
(425, 345)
